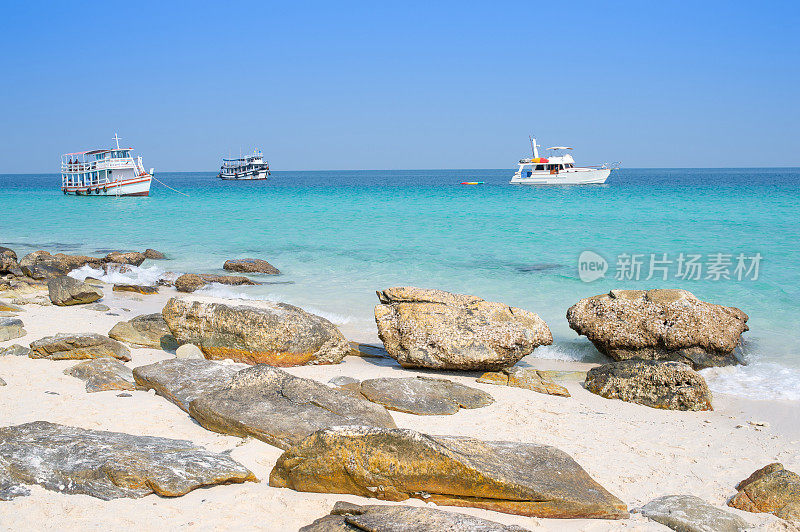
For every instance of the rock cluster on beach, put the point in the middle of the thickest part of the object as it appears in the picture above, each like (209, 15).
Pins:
(108, 465)
(436, 329)
(398, 464)
(661, 324)
(262, 332)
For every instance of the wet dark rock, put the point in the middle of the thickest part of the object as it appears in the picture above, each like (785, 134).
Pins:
(78, 346)
(64, 291)
(396, 464)
(103, 374)
(660, 325)
(423, 395)
(686, 513)
(250, 266)
(653, 383)
(348, 517)
(437, 329)
(110, 465)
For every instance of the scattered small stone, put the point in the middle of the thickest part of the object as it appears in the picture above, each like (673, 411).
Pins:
(123, 394)
(189, 351)
(99, 307)
(48, 392)
(2, 382)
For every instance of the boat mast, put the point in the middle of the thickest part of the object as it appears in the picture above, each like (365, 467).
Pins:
(117, 139)
(534, 147)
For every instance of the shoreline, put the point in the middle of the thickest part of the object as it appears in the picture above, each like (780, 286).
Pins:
(637, 453)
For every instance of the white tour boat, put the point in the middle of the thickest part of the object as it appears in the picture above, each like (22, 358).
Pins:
(113, 172)
(558, 169)
(249, 167)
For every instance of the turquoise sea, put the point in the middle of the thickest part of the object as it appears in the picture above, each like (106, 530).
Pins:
(338, 236)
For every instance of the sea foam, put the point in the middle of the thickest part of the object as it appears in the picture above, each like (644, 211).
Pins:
(134, 275)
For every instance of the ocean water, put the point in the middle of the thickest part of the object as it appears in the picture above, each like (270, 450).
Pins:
(340, 236)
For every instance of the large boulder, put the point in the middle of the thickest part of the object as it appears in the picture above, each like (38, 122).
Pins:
(528, 378)
(347, 517)
(771, 489)
(259, 332)
(110, 465)
(78, 346)
(653, 383)
(11, 328)
(65, 291)
(8, 261)
(134, 258)
(437, 329)
(281, 409)
(181, 381)
(189, 282)
(250, 266)
(43, 265)
(662, 324)
(687, 513)
(146, 330)
(396, 464)
(103, 374)
(423, 395)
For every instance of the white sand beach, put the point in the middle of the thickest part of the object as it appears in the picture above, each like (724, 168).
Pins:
(637, 453)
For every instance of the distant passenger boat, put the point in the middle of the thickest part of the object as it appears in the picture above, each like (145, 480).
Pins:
(249, 167)
(112, 172)
(558, 169)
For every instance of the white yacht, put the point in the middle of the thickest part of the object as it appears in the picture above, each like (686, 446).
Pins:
(113, 172)
(558, 168)
(248, 167)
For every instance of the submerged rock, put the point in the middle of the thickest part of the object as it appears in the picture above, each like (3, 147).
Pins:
(396, 464)
(189, 282)
(110, 465)
(103, 374)
(134, 258)
(259, 332)
(668, 385)
(528, 378)
(280, 409)
(250, 266)
(146, 330)
(181, 381)
(136, 288)
(11, 328)
(64, 291)
(660, 325)
(43, 265)
(78, 346)
(686, 513)
(771, 489)
(346, 516)
(437, 329)
(153, 254)
(423, 395)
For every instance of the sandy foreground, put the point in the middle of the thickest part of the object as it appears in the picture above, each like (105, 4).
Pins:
(637, 453)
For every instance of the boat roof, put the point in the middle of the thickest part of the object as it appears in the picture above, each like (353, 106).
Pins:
(93, 152)
(560, 148)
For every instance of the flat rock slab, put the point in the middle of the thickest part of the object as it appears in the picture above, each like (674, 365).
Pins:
(250, 266)
(395, 518)
(423, 395)
(78, 346)
(136, 288)
(653, 383)
(147, 330)
(281, 409)
(189, 282)
(771, 489)
(686, 513)
(15, 350)
(11, 328)
(530, 379)
(65, 291)
(396, 464)
(183, 380)
(110, 465)
(103, 374)
(437, 329)
(8, 309)
(259, 332)
(661, 324)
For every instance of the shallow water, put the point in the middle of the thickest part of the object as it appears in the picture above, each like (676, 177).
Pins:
(339, 236)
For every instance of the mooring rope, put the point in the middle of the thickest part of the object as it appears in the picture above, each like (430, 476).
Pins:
(169, 187)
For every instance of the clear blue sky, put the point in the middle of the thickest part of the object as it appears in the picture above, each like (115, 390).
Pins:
(378, 85)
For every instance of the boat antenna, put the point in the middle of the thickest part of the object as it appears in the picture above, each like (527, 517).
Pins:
(117, 139)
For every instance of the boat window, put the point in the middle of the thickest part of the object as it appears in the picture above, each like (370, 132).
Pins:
(540, 167)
